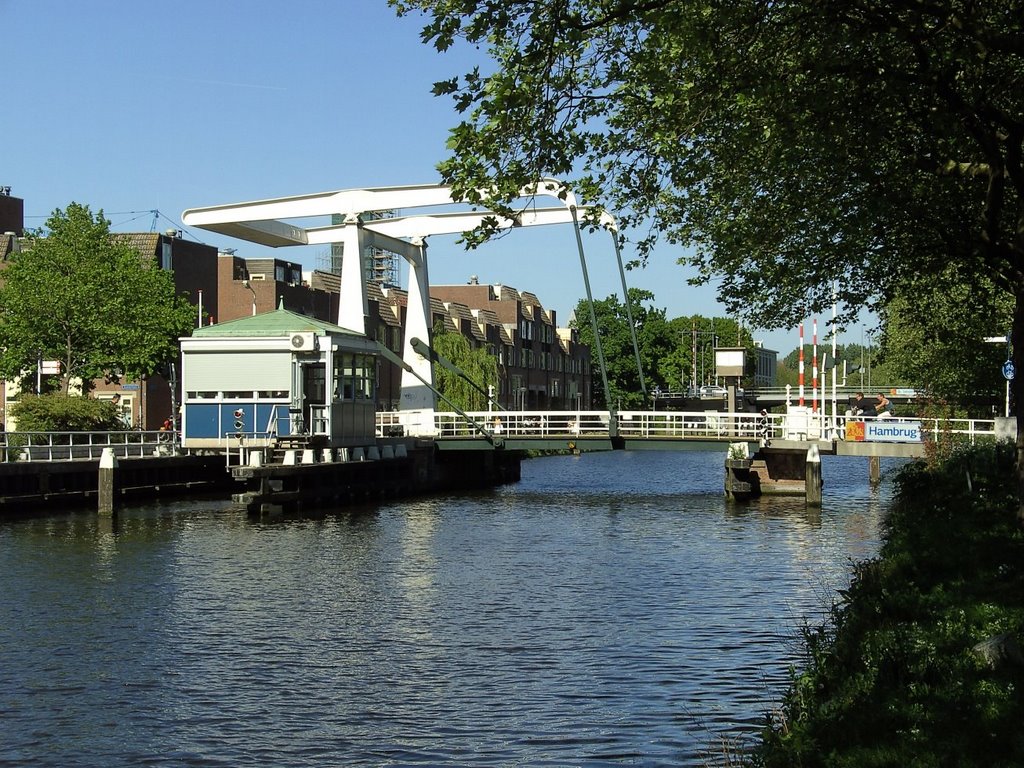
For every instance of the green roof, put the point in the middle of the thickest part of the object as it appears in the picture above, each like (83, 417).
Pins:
(280, 322)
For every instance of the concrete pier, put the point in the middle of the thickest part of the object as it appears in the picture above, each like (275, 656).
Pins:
(408, 470)
(776, 471)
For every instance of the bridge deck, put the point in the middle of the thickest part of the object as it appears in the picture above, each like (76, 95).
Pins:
(677, 430)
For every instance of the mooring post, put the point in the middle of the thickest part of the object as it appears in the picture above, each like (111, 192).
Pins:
(105, 485)
(812, 476)
(874, 470)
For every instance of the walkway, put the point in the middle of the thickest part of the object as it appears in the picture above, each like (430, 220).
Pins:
(677, 430)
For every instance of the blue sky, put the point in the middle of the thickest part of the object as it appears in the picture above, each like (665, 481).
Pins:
(132, 107)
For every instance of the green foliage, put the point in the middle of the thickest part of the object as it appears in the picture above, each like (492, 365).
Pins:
(699, 336)
(85, 298)
(654, 341)
(872, 151)
(57, 412)
(477, 363)
(665, 346)
(864, 367)
(934, 336)
(893, 678)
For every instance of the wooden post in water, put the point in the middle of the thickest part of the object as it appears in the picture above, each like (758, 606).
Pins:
(105, 486)
(874, 470)
(812, 476)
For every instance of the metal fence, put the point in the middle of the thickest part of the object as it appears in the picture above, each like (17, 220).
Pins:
(85, 446)
(662, 425)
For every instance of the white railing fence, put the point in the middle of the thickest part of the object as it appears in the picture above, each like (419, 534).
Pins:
(86, 446)
(568, 425)
(679, 425)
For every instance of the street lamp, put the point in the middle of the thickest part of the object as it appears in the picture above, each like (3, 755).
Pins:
(253, 292)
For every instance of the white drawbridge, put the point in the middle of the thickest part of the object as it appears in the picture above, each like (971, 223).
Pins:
(280, 222)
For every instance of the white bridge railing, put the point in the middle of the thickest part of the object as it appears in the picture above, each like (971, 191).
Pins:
(85, 446)
(672, 425)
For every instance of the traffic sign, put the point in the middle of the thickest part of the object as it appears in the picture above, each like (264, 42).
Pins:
(1009, 370)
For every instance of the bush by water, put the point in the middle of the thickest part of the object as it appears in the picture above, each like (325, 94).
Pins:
(920, 663)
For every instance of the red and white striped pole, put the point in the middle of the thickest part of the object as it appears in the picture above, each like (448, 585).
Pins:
(814, 367)
(800, 375)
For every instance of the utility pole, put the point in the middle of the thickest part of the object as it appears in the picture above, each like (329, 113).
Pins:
(693, 382)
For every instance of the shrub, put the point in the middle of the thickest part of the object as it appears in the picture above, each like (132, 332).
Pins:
(58, 412)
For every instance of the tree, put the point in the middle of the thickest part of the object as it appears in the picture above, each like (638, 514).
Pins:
(85, 298)
(877, 149)
(477, 363)
(665, 346)
(863, 366)
(890, 138)
(654, 341)
(935, 337)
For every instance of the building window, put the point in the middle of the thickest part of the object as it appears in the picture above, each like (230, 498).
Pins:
(353, 377)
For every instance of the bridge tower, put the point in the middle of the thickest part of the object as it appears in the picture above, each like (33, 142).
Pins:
(362, 219)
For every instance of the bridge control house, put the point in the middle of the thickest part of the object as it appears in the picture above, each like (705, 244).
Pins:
(277, 374)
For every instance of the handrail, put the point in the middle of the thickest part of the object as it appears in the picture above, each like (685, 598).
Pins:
(677, 425)
(86, 446)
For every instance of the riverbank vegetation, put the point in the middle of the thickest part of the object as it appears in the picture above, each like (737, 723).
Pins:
(920, 663)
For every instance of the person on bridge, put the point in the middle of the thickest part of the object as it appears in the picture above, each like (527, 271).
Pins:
(861, 407)
(884, 407)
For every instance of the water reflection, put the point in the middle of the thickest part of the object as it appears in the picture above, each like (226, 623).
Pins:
(610, 608)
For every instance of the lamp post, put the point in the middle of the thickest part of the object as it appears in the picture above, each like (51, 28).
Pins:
(253, 292)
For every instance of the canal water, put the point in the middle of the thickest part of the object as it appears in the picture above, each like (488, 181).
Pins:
(609, 609)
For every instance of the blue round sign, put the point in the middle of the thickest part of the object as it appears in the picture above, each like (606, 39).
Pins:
(1009, 370)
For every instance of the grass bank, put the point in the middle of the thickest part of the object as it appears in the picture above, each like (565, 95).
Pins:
(920, 662)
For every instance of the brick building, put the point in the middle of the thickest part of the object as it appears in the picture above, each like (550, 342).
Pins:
(540, 366)
(149, 402)
(12, 213)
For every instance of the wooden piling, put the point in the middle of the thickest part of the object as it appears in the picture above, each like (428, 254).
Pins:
(874, 470)
(812, 477)
(106, 483)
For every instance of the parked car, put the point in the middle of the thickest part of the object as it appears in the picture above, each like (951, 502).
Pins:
(713, 390)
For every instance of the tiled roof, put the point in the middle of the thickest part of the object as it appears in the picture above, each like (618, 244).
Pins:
(387, 312)
(325, 281)
(529, 299)
(143, 242)
(462, 312)
(505, 293)
(486, 317)
(437, 307)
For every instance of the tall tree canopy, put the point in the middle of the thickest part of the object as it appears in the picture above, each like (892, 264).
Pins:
(654, 341)
(84, 297)
(666, 347)
(934, 338)
(788, 144)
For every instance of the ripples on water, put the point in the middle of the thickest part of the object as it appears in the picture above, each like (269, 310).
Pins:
(609, 609)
